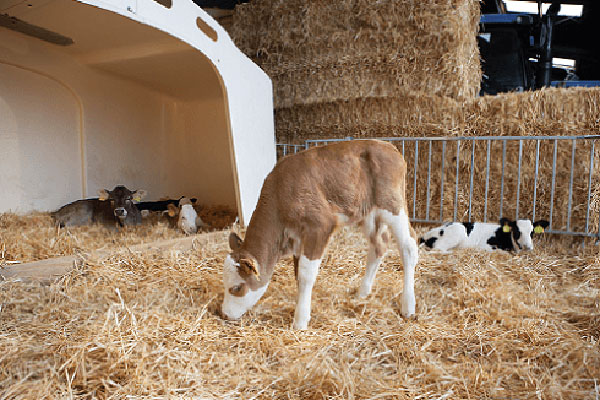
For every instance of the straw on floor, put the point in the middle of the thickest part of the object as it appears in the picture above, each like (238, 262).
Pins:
(489, 325)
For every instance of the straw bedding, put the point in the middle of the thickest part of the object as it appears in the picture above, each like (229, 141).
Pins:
(35, 237)
(489, 325)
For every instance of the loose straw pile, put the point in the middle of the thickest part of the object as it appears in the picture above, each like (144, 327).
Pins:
(489, 325)
(35, 237)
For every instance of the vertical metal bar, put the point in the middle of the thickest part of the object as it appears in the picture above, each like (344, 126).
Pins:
(535, 180)
(519, 179)
(487, 179)
(403, 149)
(587, 212)
(306, 144)
(457, 172)
(553, 181)
(285, 147)
(570, 202)
(502, 177)
(428, 183)
(442, 182)
(415, 179)
(471, 179)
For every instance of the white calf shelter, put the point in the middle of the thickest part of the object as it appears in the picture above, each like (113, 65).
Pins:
(150, 94)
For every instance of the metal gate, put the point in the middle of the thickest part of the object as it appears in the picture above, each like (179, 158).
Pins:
(483, 178)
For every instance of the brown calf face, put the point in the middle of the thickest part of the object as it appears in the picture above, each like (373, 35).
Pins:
(122, 202)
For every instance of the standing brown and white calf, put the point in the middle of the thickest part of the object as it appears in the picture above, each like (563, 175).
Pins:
(303, 200)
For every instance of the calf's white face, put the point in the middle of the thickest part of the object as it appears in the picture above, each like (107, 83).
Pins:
(525, 228)
(187, 219)
(238, 295)
(242, 286)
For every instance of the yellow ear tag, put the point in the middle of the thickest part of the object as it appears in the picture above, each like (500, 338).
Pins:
(506, 229)
(137, 198)
(171, 213)
(538, 229)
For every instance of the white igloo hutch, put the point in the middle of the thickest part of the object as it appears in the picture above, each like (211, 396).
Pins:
(152, 94)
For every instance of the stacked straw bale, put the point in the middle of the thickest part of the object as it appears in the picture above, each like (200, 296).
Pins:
(547, 112)
(411, 68)
(318, 51)
(552, 111)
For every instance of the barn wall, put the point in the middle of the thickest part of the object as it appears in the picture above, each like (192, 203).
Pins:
(153, 97)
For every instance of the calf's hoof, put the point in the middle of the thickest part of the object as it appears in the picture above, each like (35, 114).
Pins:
(300, 326)
(408, 306)
(362, 294)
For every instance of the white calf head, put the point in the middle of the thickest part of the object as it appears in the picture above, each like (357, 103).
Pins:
(187, 219)
(242, 287)
(523, 231)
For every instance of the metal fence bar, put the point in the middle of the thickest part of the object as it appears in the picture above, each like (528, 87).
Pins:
(553, 182)
(442, 181)
(462, 138)
(570, 201)
(589, 199)
(428, 183)
(415, 180)
(535, 179)
(457, 173)
(487, 179)
(471, 179)
(502, 178)
(519, 178)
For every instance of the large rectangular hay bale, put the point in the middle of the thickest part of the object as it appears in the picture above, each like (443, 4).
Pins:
(322, 51)
(406, 114)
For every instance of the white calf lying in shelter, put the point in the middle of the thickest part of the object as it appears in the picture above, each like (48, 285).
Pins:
(189, 221)
(507, 235)
(302, 201)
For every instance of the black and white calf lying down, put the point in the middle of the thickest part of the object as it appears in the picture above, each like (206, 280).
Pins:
(507, 235)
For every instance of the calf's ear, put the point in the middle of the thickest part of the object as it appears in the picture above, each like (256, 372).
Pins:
(234, 241)
(172, 210)
(505, 223)
(138, 195)
(540, 226)
(249, 267)
(103, 194)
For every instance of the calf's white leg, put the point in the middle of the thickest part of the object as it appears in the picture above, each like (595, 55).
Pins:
(400, 226)
(307, 275)
(373, 263)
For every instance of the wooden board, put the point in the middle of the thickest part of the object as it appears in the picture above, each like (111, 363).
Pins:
(54, 268)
